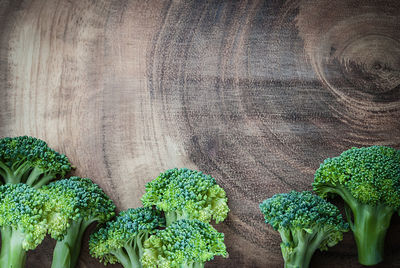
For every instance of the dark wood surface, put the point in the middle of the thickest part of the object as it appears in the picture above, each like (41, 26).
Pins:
(255, 93)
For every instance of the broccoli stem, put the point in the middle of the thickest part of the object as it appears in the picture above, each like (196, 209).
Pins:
(66, 252)
(134, 259)
(127, 257)
(369, 228)
(43, 181)
(140, 238)
(130, 255)
(12, 253)
(298, 246)
(5, 171)
(15, 173)
(6, 233)
(35, 174)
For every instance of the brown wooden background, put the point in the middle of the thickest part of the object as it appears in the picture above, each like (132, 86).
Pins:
(255, 93)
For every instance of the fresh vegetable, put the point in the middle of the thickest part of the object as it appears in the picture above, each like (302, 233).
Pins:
(368, 180)
(73, 205)
(29, 160)
(23, 222)
(186, 194)
(306, 222)
(121, 241)
(183, 244)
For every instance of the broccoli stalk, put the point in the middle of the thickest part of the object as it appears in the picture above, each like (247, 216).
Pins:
(130, 254)
(67, 250)
(74, 204)
(12, 241)
(305, 222)
(183, 244)
(29, 160)
(22, 222)
(121, 241)
(306, 242)
(369, 228)
(368, 180)
(186, 194)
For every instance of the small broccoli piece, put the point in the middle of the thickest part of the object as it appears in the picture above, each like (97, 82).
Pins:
(121, 241)
(29, 160)
(306, 222)
(368, 180)
(22, 222)
(186, 194)
(74, 204)
(183, 244)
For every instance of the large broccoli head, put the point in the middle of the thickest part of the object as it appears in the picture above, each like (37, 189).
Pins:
(187, 194)
(29, 160)
(23, 209)
(22, 221)
(121, 241)
(76, 199)
(74, 204)
(184, 243)
(306, 222)
(368, 180)
(370, 175)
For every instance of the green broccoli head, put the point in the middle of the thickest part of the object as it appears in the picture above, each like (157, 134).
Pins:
(75, 199)
(370, 175)
(121, 241)
(187, 194)
(22, 215)
(368, 180)
(29, 160)
(74, 204)
(306, 222)
(184, 243)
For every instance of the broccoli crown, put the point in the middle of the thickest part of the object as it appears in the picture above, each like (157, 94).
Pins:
(183, 242)
(306, 211)
(19, 150)
(370, 174)
(122, 232)
(189, 193)
(75, 198)
(22, 209)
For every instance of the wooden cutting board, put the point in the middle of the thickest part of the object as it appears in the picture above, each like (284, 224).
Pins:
(255, 93)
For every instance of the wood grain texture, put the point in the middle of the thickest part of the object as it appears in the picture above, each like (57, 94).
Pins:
(255, 93)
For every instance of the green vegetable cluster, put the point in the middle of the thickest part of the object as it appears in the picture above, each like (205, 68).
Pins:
(187, 194)
(172, 229)
(121, 241)
(368, 181)
(32, 206)
(306, 222)
(184, 243)
(29, 160)
(23, 222)
(75, 203)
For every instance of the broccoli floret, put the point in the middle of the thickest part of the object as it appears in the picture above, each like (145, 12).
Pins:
(368, 180)
(22, 222)
(186, 194)
(29, 160)
(74, 204)
(121, 241)
(306, 222)
(183, 244)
